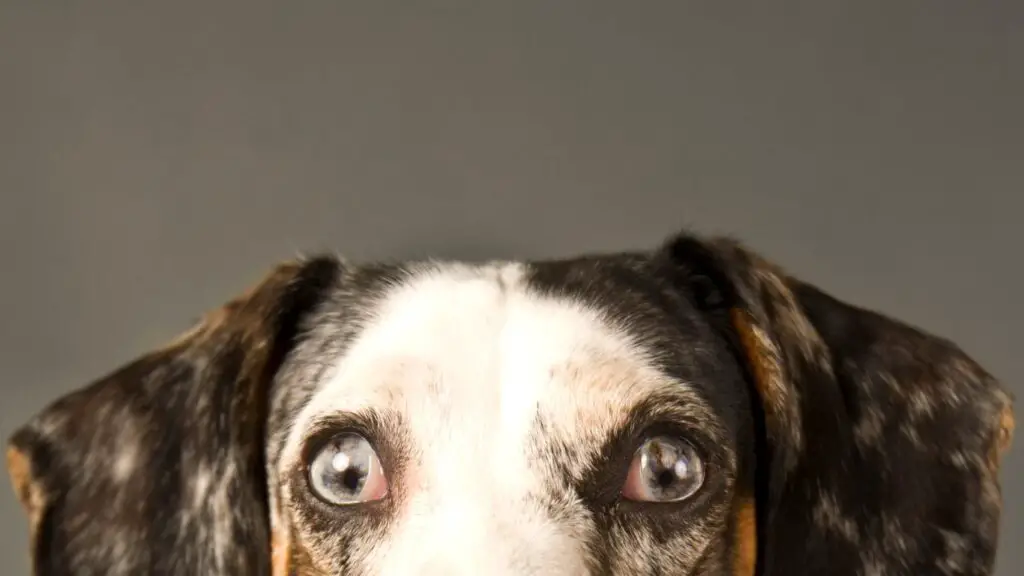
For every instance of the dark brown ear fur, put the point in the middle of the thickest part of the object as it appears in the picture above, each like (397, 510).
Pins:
(158, 467)
(882, 442)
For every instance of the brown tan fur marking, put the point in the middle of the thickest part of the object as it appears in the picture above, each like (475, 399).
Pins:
(767, 373)
(280, 549)
(29, 493)
(1004, 438)
(745, 561)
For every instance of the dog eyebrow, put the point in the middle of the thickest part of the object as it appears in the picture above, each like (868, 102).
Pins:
(381, 427)
(681, 404)
(675, 413)
(598, 473)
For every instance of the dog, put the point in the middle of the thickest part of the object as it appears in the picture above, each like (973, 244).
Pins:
(690, 409)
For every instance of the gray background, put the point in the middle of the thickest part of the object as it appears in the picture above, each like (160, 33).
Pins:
(156, 158)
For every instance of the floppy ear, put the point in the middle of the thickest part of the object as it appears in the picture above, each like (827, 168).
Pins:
(157, 468)
(882, 443)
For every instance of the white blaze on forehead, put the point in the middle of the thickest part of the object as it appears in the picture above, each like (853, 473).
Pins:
(470, 350)
(469, 357)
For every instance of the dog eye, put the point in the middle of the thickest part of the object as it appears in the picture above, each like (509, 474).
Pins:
(347, 470)
(664, 469)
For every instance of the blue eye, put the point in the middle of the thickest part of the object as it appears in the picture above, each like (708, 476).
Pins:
(664, 469)
(346, 470)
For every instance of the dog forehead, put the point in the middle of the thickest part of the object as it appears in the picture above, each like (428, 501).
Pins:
(476, 354)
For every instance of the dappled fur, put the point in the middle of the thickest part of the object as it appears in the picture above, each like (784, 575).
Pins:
(843, 442)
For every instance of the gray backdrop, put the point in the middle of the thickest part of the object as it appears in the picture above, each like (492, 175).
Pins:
(155, 159)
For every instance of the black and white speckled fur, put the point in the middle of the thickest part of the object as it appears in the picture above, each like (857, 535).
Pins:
(838, 441)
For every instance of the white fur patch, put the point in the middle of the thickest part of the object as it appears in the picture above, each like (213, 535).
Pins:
(470, 358)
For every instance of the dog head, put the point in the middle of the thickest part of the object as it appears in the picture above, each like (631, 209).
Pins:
(688, 410)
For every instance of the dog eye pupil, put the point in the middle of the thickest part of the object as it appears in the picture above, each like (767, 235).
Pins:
(352, 479)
